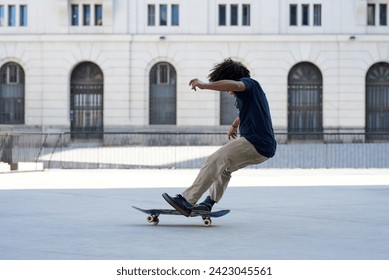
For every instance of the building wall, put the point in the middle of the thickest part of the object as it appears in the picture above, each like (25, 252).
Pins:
(125, 49)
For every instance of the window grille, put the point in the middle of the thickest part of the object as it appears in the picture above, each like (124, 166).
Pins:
(228, 110)
(86, 105)
(377, 102)
(162, 102)
(305, 99)
(11, 94)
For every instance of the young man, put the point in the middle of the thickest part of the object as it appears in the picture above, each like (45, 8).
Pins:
(256, 144)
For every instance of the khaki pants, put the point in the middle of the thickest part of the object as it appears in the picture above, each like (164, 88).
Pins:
(216, 172)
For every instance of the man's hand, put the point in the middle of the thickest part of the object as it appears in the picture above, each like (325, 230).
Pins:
(196, 83)
(232, 132)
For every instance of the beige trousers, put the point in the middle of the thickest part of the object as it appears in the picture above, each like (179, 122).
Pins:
(216, 172)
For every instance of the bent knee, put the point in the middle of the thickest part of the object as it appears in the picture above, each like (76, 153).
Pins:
(226, 174)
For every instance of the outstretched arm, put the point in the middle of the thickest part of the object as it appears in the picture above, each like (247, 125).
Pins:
(223, 85)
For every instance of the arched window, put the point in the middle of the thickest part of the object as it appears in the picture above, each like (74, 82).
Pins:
(228, 110)
(305, 102)
(377, 102)
(86, 101)
(11, 94)
(162, 108)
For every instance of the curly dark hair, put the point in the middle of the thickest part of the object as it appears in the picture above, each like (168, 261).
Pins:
(228, 69)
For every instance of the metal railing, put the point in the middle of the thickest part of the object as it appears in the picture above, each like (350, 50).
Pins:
(189, 150)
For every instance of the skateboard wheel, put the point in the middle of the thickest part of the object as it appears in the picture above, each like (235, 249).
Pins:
(155, 221)
(207, 222)
(150, 219)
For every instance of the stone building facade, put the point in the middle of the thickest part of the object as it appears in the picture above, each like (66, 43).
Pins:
(85, 66)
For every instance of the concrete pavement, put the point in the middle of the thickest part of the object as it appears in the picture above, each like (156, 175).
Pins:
(275, 214)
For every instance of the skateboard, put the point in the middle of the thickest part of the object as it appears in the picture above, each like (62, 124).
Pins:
(153, 214)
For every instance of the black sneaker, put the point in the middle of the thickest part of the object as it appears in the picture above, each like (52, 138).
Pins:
(179, 203)
(206, 205)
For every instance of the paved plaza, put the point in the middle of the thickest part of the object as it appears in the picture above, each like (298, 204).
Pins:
(291, 214)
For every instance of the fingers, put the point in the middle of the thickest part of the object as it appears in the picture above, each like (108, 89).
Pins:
(193, 83)
(196, 83)
(233, 136)
(232, 133)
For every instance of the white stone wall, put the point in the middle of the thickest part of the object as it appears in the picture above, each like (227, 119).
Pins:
(125, 49)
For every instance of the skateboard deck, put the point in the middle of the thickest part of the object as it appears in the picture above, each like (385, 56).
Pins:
(153, 214)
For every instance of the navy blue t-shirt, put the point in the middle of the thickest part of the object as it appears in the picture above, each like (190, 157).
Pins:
(255, 120)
